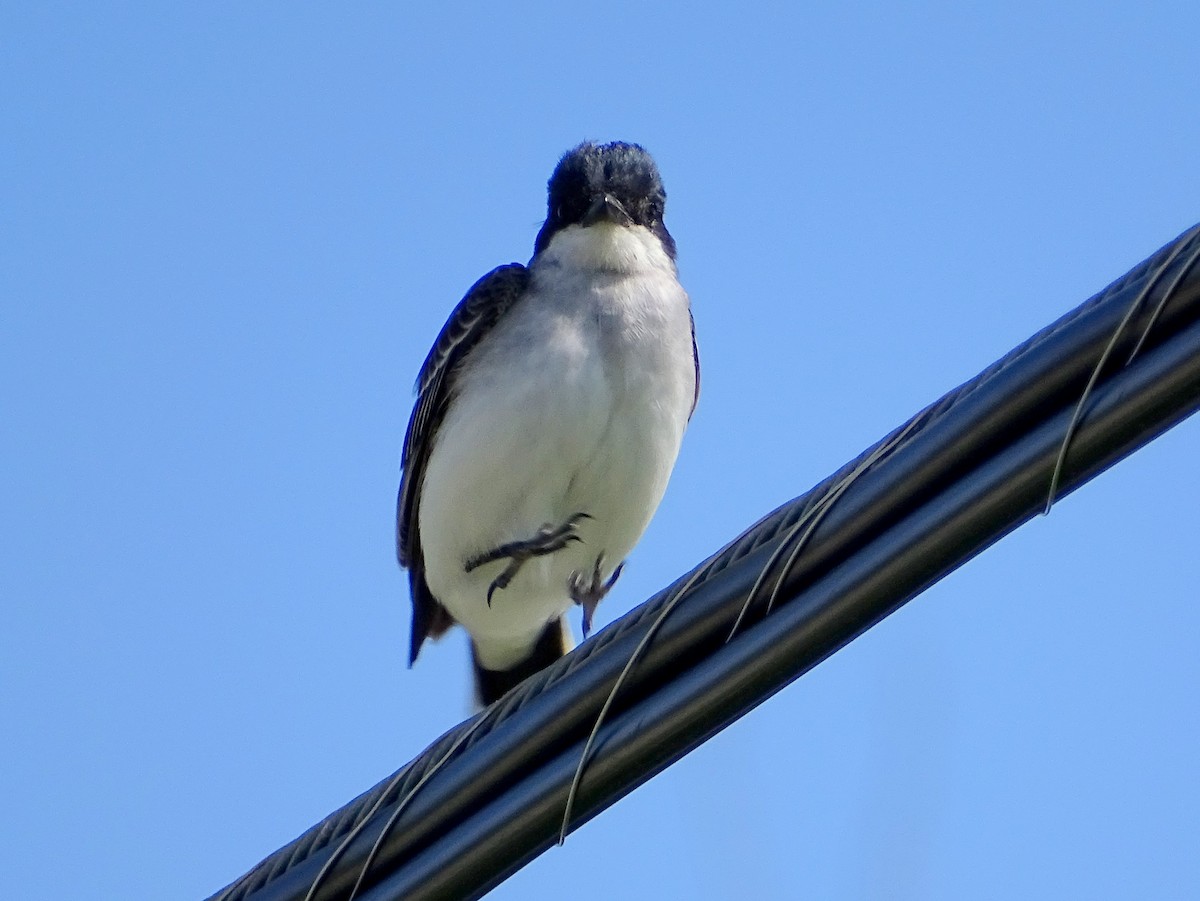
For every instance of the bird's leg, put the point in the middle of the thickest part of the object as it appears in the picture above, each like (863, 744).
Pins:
(548, 539)
(589, 592)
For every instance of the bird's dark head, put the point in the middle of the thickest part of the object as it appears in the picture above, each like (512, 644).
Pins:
(616, 183)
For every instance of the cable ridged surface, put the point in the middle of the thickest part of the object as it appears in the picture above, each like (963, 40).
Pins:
(484, 762)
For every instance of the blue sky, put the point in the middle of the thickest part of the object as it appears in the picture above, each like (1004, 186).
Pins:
(230, 234)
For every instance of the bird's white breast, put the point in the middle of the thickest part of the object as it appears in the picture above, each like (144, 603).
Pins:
(576, 402)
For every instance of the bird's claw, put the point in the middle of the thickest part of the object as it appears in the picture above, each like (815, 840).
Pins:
(548, 539)
(588, 592)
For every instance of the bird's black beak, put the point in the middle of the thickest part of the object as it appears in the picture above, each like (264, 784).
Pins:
(607, 208)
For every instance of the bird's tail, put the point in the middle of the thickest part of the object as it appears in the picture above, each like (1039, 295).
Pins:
(491, 684)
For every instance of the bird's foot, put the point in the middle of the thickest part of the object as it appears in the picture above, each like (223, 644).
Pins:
(589, 591)
(548, 539)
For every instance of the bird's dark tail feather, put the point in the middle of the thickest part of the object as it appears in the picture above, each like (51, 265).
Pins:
(492, 684)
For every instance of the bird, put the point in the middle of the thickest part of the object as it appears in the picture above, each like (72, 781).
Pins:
(549, 414)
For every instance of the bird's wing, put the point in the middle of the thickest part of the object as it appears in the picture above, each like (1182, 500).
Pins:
(696, 363)
(481, 308)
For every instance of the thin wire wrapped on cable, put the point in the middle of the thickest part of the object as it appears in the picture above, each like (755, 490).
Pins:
(955, 478)
(1186, 243)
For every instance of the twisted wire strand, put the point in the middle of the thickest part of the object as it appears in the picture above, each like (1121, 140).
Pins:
(780, 527)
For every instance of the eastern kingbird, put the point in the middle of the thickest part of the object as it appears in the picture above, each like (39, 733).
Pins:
(548, 418)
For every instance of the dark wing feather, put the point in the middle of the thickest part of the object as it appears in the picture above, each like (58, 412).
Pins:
(696, 363)
(488, 300)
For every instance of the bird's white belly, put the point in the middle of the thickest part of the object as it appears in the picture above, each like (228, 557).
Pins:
(581, 428)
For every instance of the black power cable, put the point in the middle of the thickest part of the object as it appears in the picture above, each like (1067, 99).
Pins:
(491, 794)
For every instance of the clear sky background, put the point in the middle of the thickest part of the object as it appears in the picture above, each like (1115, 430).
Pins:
(230, 234)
